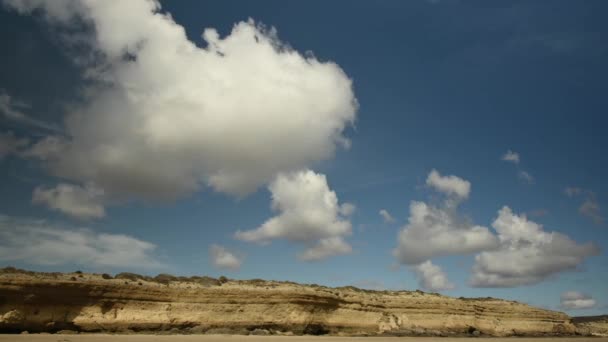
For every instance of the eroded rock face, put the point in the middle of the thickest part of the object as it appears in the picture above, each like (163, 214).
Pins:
(592, 325)
(50, 302)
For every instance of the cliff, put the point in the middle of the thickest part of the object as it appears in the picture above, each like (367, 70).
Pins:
(592, 325)
(50, 302)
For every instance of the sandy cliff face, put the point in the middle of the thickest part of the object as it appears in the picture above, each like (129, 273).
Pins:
(592, 325)
(88, 302)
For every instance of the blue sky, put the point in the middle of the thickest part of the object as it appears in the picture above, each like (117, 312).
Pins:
(162, 154)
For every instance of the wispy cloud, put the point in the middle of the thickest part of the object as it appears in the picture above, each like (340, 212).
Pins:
(13, 110)
(590, 207)
(527, 177)
(39, 242)
(10, 144)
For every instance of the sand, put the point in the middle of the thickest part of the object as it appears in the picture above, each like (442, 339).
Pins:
(224, 338)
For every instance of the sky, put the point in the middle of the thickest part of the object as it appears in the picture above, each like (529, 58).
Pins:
(450, 146)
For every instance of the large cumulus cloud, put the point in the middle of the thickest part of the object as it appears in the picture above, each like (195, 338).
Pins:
(432, 277)
(439, 230)
(527, 254)
(165, 117)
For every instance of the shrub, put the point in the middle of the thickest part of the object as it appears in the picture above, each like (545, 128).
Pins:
(106, 276)
(164, 278)
(205, 281)
(129, 276)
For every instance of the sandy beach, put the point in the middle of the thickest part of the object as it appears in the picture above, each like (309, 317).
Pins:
(221, 338)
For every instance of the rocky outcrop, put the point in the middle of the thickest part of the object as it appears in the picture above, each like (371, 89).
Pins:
(591, 325)
(50, 302)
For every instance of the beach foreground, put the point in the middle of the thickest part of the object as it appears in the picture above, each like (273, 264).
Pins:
(221, 338)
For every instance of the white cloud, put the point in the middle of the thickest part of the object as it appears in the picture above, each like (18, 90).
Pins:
(431, 277)
(527, 254)
(10, 144)
(386, 216)
(512, 157)
(525, 176)
(224, 259)
(572, 191)
(449, 185)
(73, 200)
(434, 231)
(174, 117)
(12, 110)
(325, 248)
(38, 242)
(573, 300)
(347, 209)
(590, 207)
(309, 213)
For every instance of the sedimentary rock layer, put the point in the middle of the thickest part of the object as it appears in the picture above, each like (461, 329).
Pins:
(51, 302)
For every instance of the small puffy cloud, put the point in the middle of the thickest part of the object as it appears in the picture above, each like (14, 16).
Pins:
(590, 207)
(10, 144)
(527, 254)
(511, 157)
(574, 300)
(72, 200)
(449, 185)
(431, 277)
(386, 216)
(525, 176)
(223, 259)
(308, 213)
(165, 117)
(38, 242)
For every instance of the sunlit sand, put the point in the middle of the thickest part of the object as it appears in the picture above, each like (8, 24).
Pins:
(219, 338)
